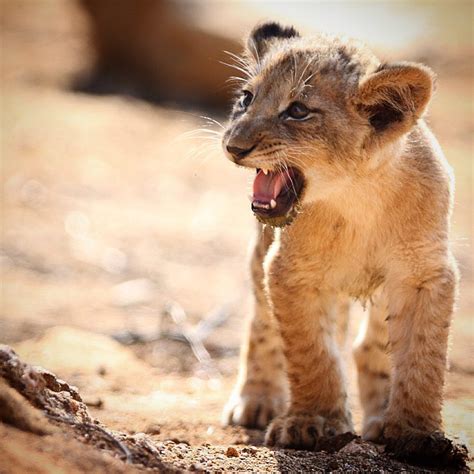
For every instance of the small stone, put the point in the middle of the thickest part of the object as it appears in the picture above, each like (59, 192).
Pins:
(232, 452)
(249, 450)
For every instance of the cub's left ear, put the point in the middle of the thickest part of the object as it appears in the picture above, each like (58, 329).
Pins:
(262, 36)
(395, 96)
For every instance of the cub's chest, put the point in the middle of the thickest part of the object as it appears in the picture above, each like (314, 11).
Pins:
(340, 261)
(357, 274)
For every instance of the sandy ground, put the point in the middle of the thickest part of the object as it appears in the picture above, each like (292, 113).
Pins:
(113, 213)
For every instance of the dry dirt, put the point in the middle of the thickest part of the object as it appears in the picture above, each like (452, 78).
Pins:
(47, 423)
(124, 238)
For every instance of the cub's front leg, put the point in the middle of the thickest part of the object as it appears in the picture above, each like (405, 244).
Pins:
(261, 391)
(318, 399)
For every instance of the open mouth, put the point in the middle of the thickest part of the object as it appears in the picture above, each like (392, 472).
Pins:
(276, 195)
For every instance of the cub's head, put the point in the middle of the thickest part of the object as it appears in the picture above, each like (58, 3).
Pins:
(314, 114)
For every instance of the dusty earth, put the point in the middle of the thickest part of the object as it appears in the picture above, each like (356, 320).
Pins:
(123, 253)
(48, 425)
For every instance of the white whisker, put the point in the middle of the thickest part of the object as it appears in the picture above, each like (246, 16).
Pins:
(214, 121)
(236, 79)
(238, 68)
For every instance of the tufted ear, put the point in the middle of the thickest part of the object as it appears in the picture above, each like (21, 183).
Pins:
(264, 35)
(395, 96)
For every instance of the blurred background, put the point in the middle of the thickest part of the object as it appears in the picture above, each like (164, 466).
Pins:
(124, 229)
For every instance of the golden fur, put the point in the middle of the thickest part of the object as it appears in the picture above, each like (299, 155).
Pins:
(372, 224)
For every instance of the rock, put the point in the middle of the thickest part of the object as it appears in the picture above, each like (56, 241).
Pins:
(42, 388)
(232, 452)
(28, 393)
(17, 412)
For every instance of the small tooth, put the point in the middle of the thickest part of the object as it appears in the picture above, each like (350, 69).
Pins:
(265, 171)
(273, 203)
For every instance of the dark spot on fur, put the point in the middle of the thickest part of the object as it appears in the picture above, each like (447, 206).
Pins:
(295, 378)
(421, 337)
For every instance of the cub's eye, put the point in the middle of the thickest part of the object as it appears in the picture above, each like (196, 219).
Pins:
(297, 111)
(245, 99)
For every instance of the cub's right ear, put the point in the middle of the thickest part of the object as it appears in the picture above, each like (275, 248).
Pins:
(264, 35)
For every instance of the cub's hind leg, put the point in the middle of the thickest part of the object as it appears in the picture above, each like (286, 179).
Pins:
(261, 391)
(373, 366)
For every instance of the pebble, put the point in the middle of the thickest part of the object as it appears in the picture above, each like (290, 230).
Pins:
(232, 452)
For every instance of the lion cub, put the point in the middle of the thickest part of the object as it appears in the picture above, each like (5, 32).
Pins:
(353, 196)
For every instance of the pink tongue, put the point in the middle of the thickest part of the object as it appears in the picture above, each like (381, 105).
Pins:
(268, 186)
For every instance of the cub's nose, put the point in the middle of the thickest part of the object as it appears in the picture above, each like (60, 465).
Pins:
(239, 153)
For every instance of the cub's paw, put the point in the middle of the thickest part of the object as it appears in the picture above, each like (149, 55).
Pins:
(373, 428)
(253, 410)
(379, 428)
(304, 431)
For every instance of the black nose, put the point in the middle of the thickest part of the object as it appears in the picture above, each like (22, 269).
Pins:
(239, 153)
